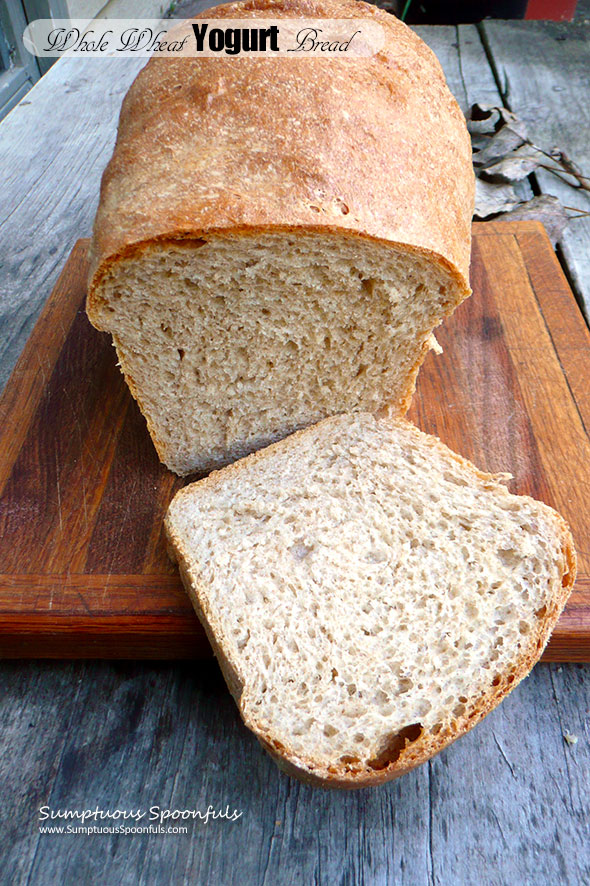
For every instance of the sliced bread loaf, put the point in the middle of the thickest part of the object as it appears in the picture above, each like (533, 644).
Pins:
(370, 595)
(277, 238)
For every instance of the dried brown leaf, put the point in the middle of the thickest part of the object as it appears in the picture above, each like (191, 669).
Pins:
(514, 166)
(479, 142)
(546, 209)
(487, 119)
(483, 119)
(492, 198)
(498, 145)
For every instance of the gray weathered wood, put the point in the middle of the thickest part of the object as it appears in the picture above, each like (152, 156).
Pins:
(467, 71)
(507, 804)
(53, 148)
(463, 59)
(544, 72)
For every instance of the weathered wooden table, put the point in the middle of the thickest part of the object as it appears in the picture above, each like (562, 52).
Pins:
(509, 803)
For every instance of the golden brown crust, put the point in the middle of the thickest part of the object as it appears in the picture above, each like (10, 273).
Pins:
(346, 776)
(375, 148)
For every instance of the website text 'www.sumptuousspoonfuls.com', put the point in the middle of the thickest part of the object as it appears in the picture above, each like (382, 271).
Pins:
(155, 820)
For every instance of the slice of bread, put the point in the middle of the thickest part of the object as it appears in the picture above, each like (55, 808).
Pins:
(370, 594)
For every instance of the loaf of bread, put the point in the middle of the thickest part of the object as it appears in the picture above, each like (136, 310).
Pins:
(369, 594)
(277, 238)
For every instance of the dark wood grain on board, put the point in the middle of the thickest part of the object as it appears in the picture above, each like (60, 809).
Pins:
(83, 566)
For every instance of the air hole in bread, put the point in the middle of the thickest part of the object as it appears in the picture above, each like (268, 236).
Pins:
(191, 242)
(455, 479)
(509, 557)
(395, 746)
(300, 550)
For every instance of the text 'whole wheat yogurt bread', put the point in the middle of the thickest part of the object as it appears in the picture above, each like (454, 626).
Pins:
(369, 594)
(276, 239)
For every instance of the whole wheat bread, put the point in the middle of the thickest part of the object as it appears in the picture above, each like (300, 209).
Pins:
(276, 239)
(370, 595)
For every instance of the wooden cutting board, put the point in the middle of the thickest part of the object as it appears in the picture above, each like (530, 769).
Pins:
(83, 567)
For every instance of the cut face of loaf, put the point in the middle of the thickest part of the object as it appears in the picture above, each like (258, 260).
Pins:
(369, 594)
(233, 342)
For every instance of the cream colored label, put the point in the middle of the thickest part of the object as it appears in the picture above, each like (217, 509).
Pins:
(333, 39)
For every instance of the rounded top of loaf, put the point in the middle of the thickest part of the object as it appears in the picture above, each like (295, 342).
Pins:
(372, 147)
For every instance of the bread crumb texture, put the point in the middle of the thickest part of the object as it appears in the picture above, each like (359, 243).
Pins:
(369, 593)
(236, 342)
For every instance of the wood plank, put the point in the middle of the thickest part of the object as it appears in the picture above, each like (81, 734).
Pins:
(21, 400)
(543, 69)
(482, 414)
(104, 616)
(571, 343)
(556, 425)
(479, 427)
(130, 736)
(510, 803)
(570, 338)
(31, 751)
(79, 576)
(569, 641)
